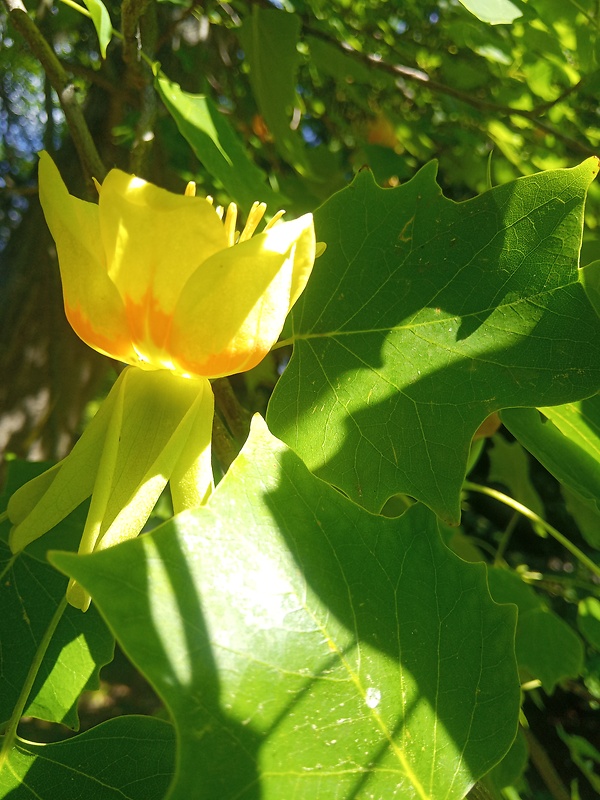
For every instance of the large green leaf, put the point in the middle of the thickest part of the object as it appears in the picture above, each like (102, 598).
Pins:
(30, 592)
(424, 316)
(129, 758)
(216, 145)
(306, 648)
(269, 38)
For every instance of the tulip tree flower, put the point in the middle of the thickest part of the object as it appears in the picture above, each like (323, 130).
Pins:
(165, 284)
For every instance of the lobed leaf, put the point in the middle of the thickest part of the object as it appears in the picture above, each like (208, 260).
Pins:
(306, 648)
(423, 317)
(128, 758)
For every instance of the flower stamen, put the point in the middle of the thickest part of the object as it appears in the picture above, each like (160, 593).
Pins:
(257, 212)
(273, 221)
(229, 223)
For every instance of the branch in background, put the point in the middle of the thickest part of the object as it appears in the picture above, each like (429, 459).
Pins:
(545, 767)
(420, 77)
(131, 11)
(139, 22)
(86, 149)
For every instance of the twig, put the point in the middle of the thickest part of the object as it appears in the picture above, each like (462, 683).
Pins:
(420, 77)
(63, 86)
(545, 768)
(234, 414)
(531, 515)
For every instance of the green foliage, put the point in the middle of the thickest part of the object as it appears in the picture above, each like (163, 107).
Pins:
(436, 315)
(102, 23)
(310, 632)
(149, 744)
(341, 660)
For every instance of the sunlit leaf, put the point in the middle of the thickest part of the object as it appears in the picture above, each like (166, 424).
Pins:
(101, 19)
(308, 649)
(217, 145)
(495, 12)
(566, 440)
(422, 318)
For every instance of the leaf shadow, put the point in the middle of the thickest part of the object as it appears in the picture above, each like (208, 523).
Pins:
(419, 321)
(398, 591)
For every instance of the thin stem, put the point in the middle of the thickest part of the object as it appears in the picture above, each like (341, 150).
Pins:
(62, 85)
(531, 515)
(234, 414)
(545, 767)
(11, 730)
(508, 532)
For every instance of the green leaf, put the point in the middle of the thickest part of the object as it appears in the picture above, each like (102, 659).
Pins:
(339, 65)
(128, 758)
(509, 465)
(101, 19)
(216, 145)
(308, 649)
(496, 12)
(269, 38)
(30, 592)
(512, 766)
(547, 648)
(566, 441)
(424, 316)
(585, 515)
(588, 620)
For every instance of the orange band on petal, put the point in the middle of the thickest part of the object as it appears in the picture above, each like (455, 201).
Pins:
(225, 363)
(118, 347)
(147, 321)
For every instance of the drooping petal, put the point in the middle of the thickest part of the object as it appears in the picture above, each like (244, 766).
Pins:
(156, 418)
(92, 304)
(43, 502)
(164, 416)
(233, 308)
(192, 479)
(153, 241)
(304, 256)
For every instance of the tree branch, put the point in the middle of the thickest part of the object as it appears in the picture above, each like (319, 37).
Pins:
(420, 77)
(63, 86)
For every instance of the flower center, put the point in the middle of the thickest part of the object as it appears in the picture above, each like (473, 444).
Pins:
(257, 212)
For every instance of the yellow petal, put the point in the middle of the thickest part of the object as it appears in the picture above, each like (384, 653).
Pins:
(92, 303)
(153, 241)
(233, 308)
(43, 502)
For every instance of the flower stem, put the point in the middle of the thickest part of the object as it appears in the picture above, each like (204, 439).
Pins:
(11, 729)
(234, 414)
(531, 515)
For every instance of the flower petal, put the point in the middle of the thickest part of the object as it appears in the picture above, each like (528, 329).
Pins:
(43, 502)
(153, 241)
(233, 308)
(92, 304)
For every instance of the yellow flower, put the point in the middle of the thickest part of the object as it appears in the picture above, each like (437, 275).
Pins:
(158, 280)
(164, 284)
